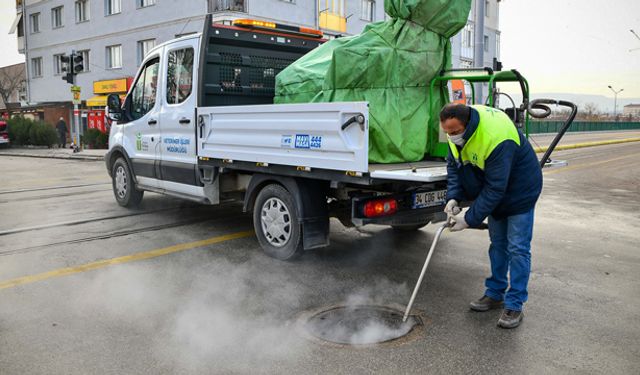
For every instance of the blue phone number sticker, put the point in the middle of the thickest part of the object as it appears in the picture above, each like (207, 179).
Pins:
(308, 141)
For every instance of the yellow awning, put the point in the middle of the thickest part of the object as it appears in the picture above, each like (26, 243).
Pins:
(100, 101)
(97, 101)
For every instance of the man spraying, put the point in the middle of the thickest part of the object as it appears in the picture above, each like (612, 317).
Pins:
(491, 163)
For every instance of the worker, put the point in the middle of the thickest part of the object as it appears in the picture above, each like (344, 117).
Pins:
(491, 163)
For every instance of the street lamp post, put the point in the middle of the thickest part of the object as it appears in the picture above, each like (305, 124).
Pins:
(615, 100)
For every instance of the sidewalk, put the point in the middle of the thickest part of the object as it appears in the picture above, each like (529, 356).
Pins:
(53, 153)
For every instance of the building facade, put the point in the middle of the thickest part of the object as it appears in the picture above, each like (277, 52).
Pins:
(113, 35)
(631, 110)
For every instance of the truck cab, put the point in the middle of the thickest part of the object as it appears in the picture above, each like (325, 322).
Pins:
(155, 132)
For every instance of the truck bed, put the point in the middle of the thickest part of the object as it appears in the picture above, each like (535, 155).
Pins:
(326, 140)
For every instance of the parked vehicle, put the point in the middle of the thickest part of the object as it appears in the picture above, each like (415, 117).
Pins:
(4, 134)
(198, 124)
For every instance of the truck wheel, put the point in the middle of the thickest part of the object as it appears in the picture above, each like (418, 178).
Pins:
(409, 227)
(276, 223)
(123, 187)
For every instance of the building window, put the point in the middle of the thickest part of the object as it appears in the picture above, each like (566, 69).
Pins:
(111, 7)
(146, 3)
(57, 64)
(35, 23)
(85, 60)
(486, 43)
(56, 17)
(22, 91)
(114, 57)
(36, 67)
(234, 5)
(179, 75)
(467, 36)
(498, 46)
(487, 8)
(144, 46)
(367, 11)
(466, 48)
(82, 11)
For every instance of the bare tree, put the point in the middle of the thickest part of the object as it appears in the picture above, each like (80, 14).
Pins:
(11, 80)
(590, 112)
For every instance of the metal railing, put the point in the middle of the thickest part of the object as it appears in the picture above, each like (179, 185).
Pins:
(540, 127)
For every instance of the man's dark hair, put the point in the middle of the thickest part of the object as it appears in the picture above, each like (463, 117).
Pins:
(457, 111)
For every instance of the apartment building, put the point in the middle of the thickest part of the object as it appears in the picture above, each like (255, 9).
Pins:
(114, 35)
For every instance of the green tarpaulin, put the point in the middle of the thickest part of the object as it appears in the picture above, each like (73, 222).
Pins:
(390, 66)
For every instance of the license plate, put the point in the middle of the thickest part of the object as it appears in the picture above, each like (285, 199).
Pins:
(429, 198)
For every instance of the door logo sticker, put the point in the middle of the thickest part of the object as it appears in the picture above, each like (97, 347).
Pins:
(138, 141)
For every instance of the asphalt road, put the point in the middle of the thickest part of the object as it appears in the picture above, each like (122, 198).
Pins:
(88, 287)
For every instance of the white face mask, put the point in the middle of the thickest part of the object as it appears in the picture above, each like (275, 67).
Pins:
(457, 139)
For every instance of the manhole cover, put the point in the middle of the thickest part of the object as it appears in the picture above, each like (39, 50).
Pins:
(360, 325)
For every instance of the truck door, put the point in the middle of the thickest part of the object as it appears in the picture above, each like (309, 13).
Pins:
(143, 129)
(178, 149)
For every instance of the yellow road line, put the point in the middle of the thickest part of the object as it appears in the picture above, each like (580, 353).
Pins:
(123, 259)
(586, 165)
(587, 144)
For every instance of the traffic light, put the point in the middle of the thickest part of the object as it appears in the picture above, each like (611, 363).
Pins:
(67, 75)
(77, 63)
(71, 65)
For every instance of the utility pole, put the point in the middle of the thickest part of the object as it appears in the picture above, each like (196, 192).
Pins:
(615, 101)
(478, 51)
(71, 66)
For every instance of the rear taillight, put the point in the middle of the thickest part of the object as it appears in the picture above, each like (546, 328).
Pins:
(380, 207)
(4, 135)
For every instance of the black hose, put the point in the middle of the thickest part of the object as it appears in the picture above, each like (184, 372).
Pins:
(541, 104)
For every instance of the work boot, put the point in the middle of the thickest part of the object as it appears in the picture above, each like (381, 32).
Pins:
(485, 304)
(510, 318)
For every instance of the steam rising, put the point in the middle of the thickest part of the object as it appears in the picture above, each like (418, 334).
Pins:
(222, 316)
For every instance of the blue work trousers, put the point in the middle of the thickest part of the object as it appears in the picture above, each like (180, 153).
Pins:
(510, 252)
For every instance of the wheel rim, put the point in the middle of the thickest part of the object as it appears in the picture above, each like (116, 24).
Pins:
(121, 182)
(276, 222)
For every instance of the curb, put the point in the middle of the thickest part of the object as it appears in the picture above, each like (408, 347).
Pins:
(587, 144)
(65, 157)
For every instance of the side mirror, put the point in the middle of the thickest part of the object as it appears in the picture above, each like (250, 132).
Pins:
(114, 107)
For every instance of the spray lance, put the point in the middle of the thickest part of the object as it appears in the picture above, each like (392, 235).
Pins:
(448, 224)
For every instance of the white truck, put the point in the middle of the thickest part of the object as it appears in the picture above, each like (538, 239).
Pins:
(198, 124)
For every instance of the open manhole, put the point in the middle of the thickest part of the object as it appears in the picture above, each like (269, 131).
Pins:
(360, 325)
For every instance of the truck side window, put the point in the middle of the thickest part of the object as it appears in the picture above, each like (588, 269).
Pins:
(143, 94)
(179, 75)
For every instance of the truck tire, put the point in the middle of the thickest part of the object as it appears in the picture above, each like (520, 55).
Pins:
(409, 227)
(123, 187)
(276, 223)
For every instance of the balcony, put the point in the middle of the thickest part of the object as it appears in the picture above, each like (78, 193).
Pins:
(227, 5)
